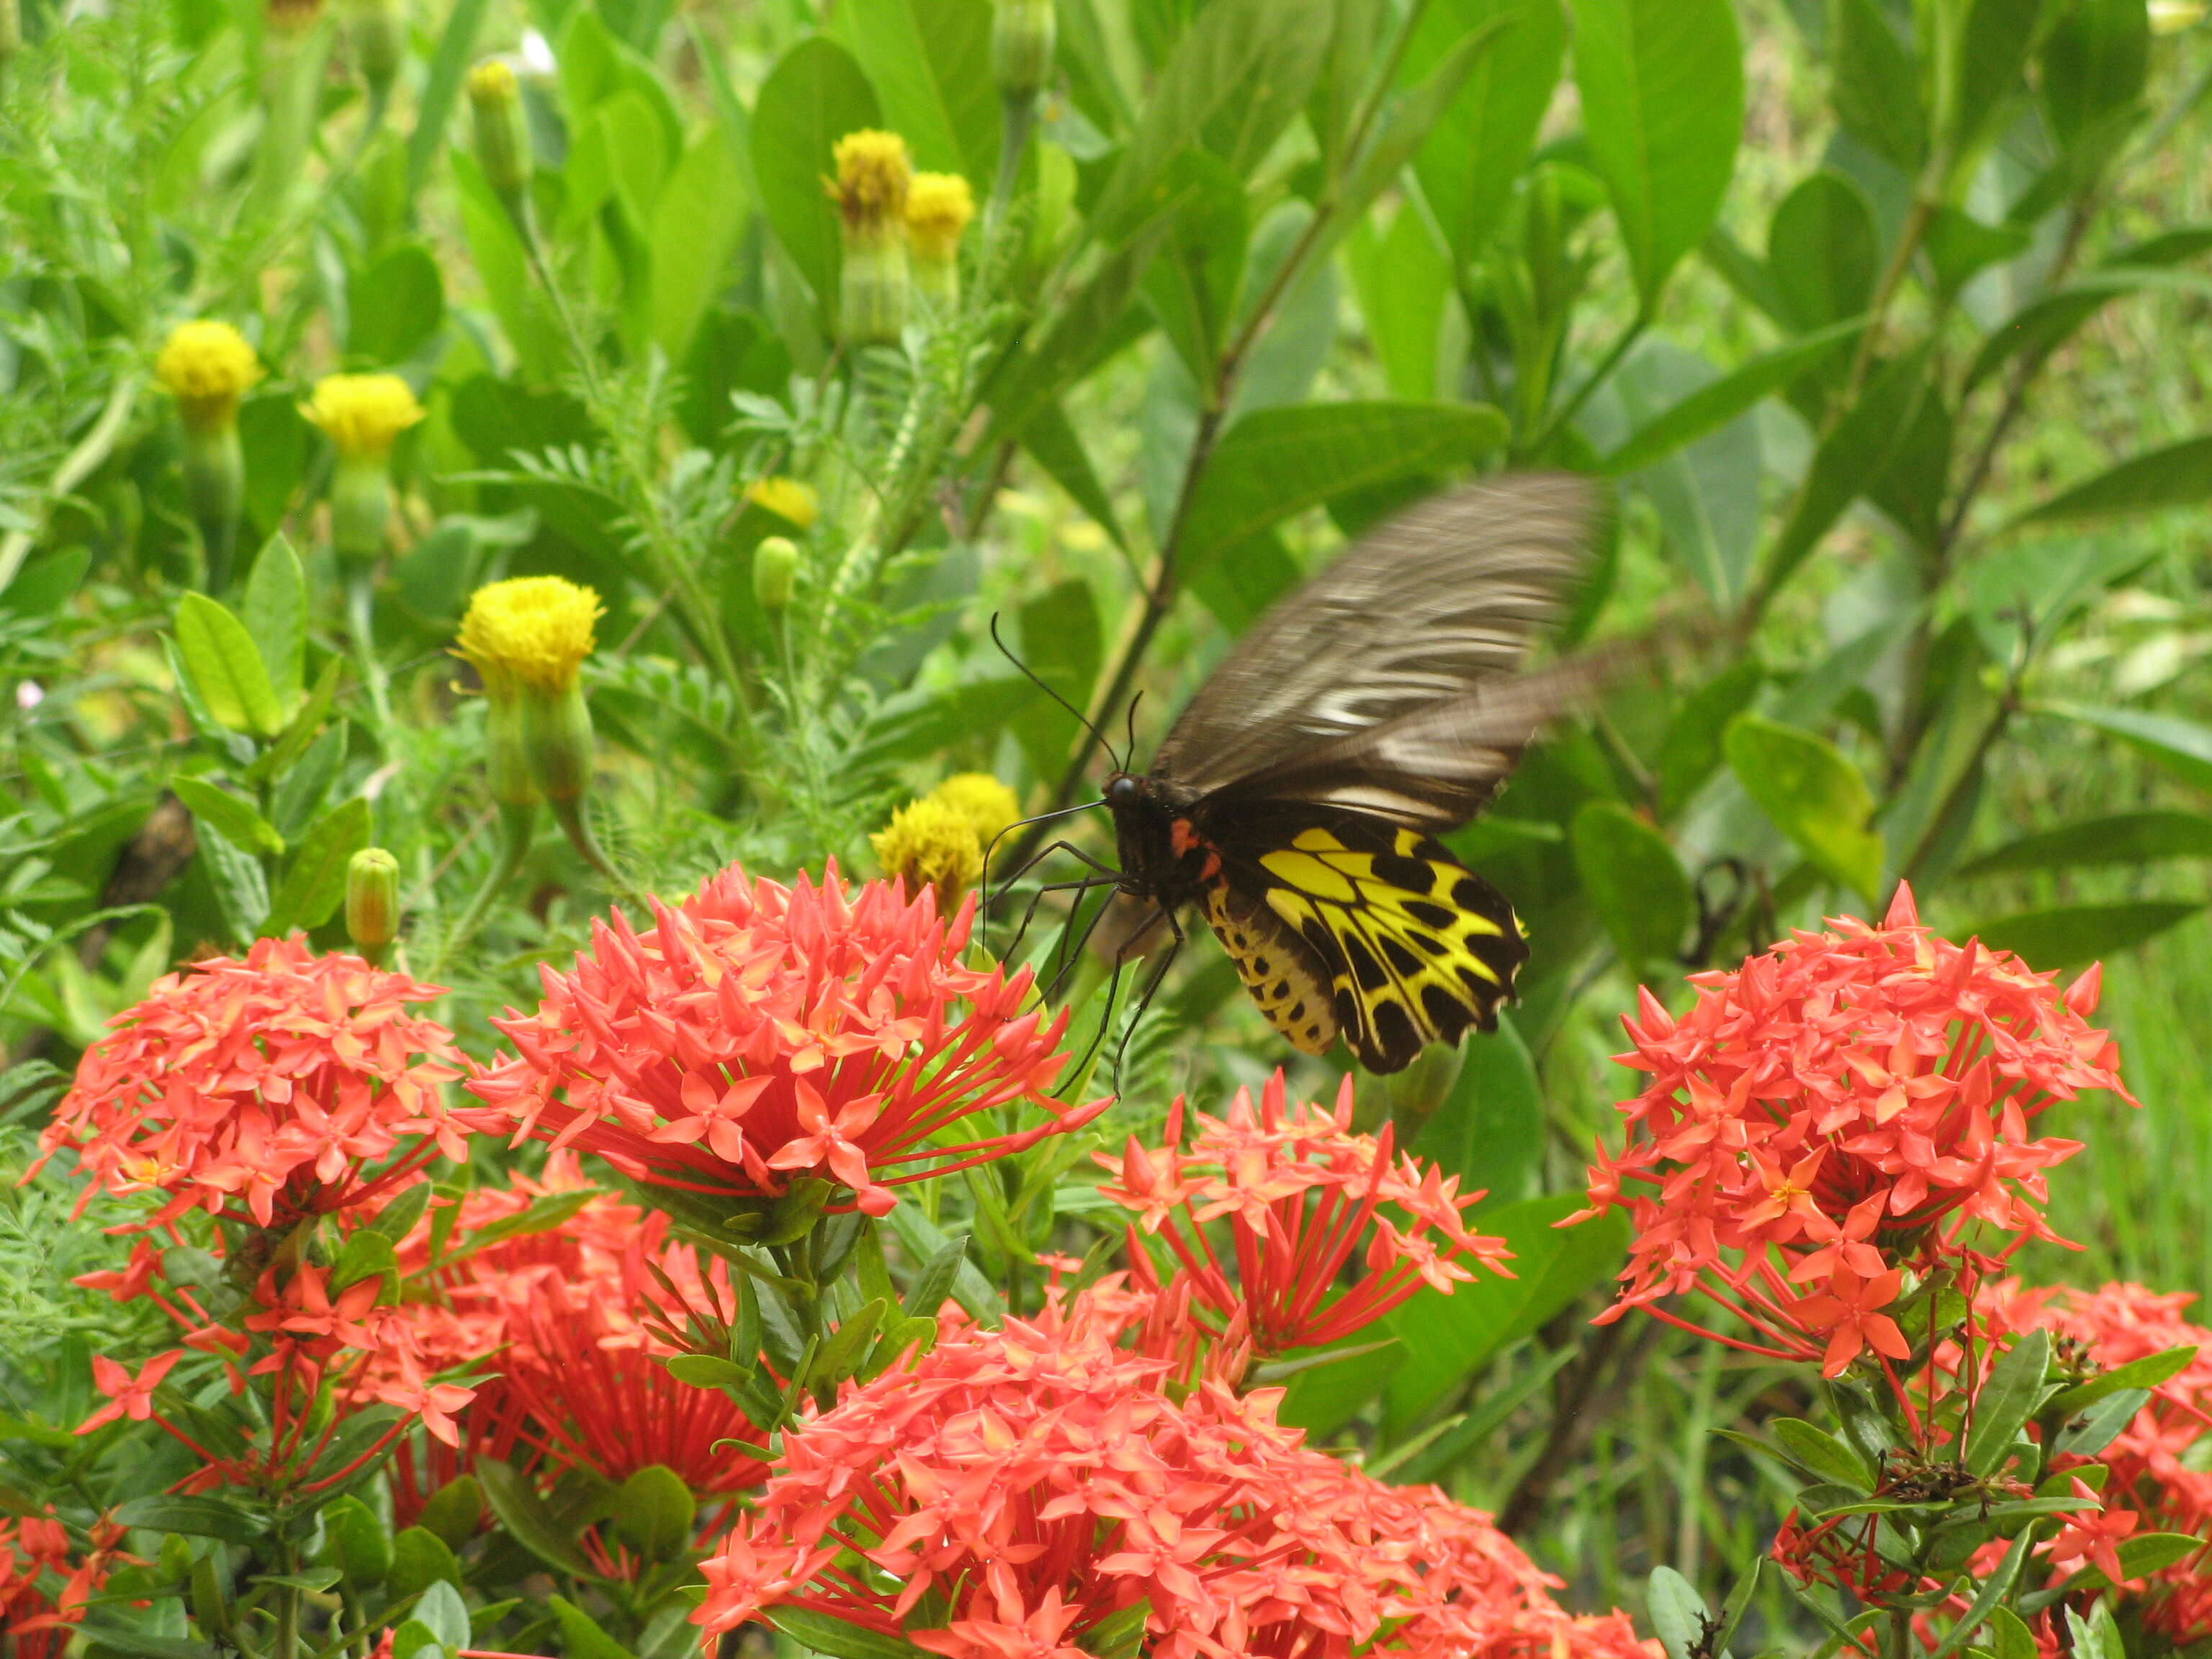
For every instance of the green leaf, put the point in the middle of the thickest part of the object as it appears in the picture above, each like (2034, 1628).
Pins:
(454, 1510)
(654, 1510)
(1739, 1603)
(1273, 463)
(1447, 1338)
(2010, 1636)
(1992, 52)
(1490, 1130)
(198, 1518)
(276, 618)
(930, 63)
(706, 1370)
(233, 817)
(2008, 1398)
(1813, 795)
(1856, 451)
(444, 1613)
(581, 1638)
(1119, 1635)
(1706, 494)
(1995, 1590)
(2125, 838)
(542, 1214)
(921, 1237)
(1820, 1454)
(2183, 747)
(814, 96)
(925, 1295)
(1479, 145)
(1961, 245)
(1404, 285)
(2043, 325)
(2064, 935)
(421, 1558)
(1239, 73)
(2147, 1372)
(1717, 403)
(825, 1633)
(696, 220)
(226, 667)
(1677, 1614)
(1634, 882)
(2097, 1637)
(529, 1521)
(1661, 85)
(1691, 750)
(1875, 84)
(1192, 282)
(457, 49)
(356, 1543)
(241, 886)
(103, 1637)
(2179, 475)
(395, 306)
(314, 881)
(1823, 250)
(367, 1254)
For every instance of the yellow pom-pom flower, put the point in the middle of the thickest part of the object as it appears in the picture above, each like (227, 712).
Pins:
(207, 366)
(531, 631)
(363, 415)
(787, 498)
(930, 843)
(873, 177)
(982, 800)
(939, 206)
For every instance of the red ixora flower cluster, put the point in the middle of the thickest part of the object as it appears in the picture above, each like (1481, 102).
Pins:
(571, 1317)
(757, 1033)
(287, 1085)
(2160, 1479)
(1017, 1489)
(1841, 1110)
(44, 1584)
(1301, 1191)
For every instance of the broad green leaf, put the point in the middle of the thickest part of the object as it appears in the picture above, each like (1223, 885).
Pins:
(1405, 121)
(581, 1638)
(2043, 325)
(221, 810)
(529, 1520)
(276, 618)
(1707, 493)
(696, 221)
(1467, 163)
(1488, 1131)
(1661, 84)
(825, 1633)
(2064, 935)
(2179, 475)
(813, 97)
(420, 1559)
(2125, 838)
(2182, 747)
(1635, 883)
(1192, 282)
(1677, 1614)
(1447, 1338)
(355, 1542)
(2010, 1638)
(1960, 245)
(1404, 286)
(198, 1517)
(1273, 463)
(1237, 76)
(2095, 60)
(456, 50)
(1715, 403)
(1823, 251)
(930, 63)
(454, 1511)
(314, 880)
(226, 668)
(1875, 84)
(654, 1510)
(445, 1613)
(394, 305)
(1855, 453)
(1691, 752)
(1992, 50)
(105, 1635)
(2147, 1372)
(242, 885)
(1820, 1454)
(1813, 795)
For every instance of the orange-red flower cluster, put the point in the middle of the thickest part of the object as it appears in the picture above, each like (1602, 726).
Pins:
(1017, 1489)
(285, 1085)
(757, 1033)
(1301, 1192)
(570, 1318)
(2161, 1478)
(43, 1587)
(1845, 1109)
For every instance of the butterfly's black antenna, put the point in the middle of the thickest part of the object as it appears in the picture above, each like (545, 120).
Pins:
(1121, 763)
(1130, 742)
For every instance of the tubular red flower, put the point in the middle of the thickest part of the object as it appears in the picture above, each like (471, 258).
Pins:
(757, 1033)
(285, 1085)
(1301, 1192)
(1849, 1104)
(1017, 1488)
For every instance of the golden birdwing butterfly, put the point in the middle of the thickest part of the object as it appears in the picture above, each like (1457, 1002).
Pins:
(1297, 799)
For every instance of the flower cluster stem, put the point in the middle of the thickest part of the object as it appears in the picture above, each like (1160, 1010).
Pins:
(518, 824)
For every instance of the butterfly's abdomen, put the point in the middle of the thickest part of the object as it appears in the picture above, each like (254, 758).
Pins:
(1281, 976)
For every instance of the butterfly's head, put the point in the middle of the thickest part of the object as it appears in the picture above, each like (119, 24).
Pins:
(1123, 789)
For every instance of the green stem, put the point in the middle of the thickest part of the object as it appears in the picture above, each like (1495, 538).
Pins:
(1018, 116)
(569, 814)
(91, 450)
(1596, 378)
(517, 826)
(361, 613)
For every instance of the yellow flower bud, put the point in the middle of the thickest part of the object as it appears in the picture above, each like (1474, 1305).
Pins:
(502, 135)
(873, 175)
(775, 567)
(930, 844)
(938, 208)
(982, 800)
(363, 415)
(207, 366)
(529, 631)
(1022, 38)
(788, 499)
(371, 901)
(379, 29)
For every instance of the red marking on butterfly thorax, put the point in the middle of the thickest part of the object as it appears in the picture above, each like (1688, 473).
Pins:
(1186, 841)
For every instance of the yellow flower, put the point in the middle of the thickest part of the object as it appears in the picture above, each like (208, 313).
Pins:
(929, 843)
(872, 177)
(787, 498)
(938, 208)
(529, 630)
(207, 368)
(492, 81)
(982, 800)
(362, 414)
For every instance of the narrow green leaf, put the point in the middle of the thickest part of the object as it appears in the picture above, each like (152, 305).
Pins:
(198, 1518)
(2008, 1398)
(581, 1638)
(529, 1520)
(2179, 475)
(241, 886)
(1634, 882)
(2043, 325)
(2067, 935)
(1480, 143)
(226, 667)
(232, 815)
(2125, 838)
(457, 48)
(1119, 1635)
(2183, 747)
(2147, 1372)
(276, 618)
(1739, 1603)
(1661, 85)
(825, 1633)
(1813, 795)
(1715, 403)
(1855, 452)
(1877, 84)
(1820, 1454)
(1994, 1591)
(314, 880)
(920, 1237)
(814, 96)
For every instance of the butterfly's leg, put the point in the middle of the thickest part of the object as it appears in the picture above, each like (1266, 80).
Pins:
(1029, 912)
(983, 909)
(1113, 982)
(1151, 985)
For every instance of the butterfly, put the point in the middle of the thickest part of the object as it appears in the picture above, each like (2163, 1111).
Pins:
(1297, 800)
